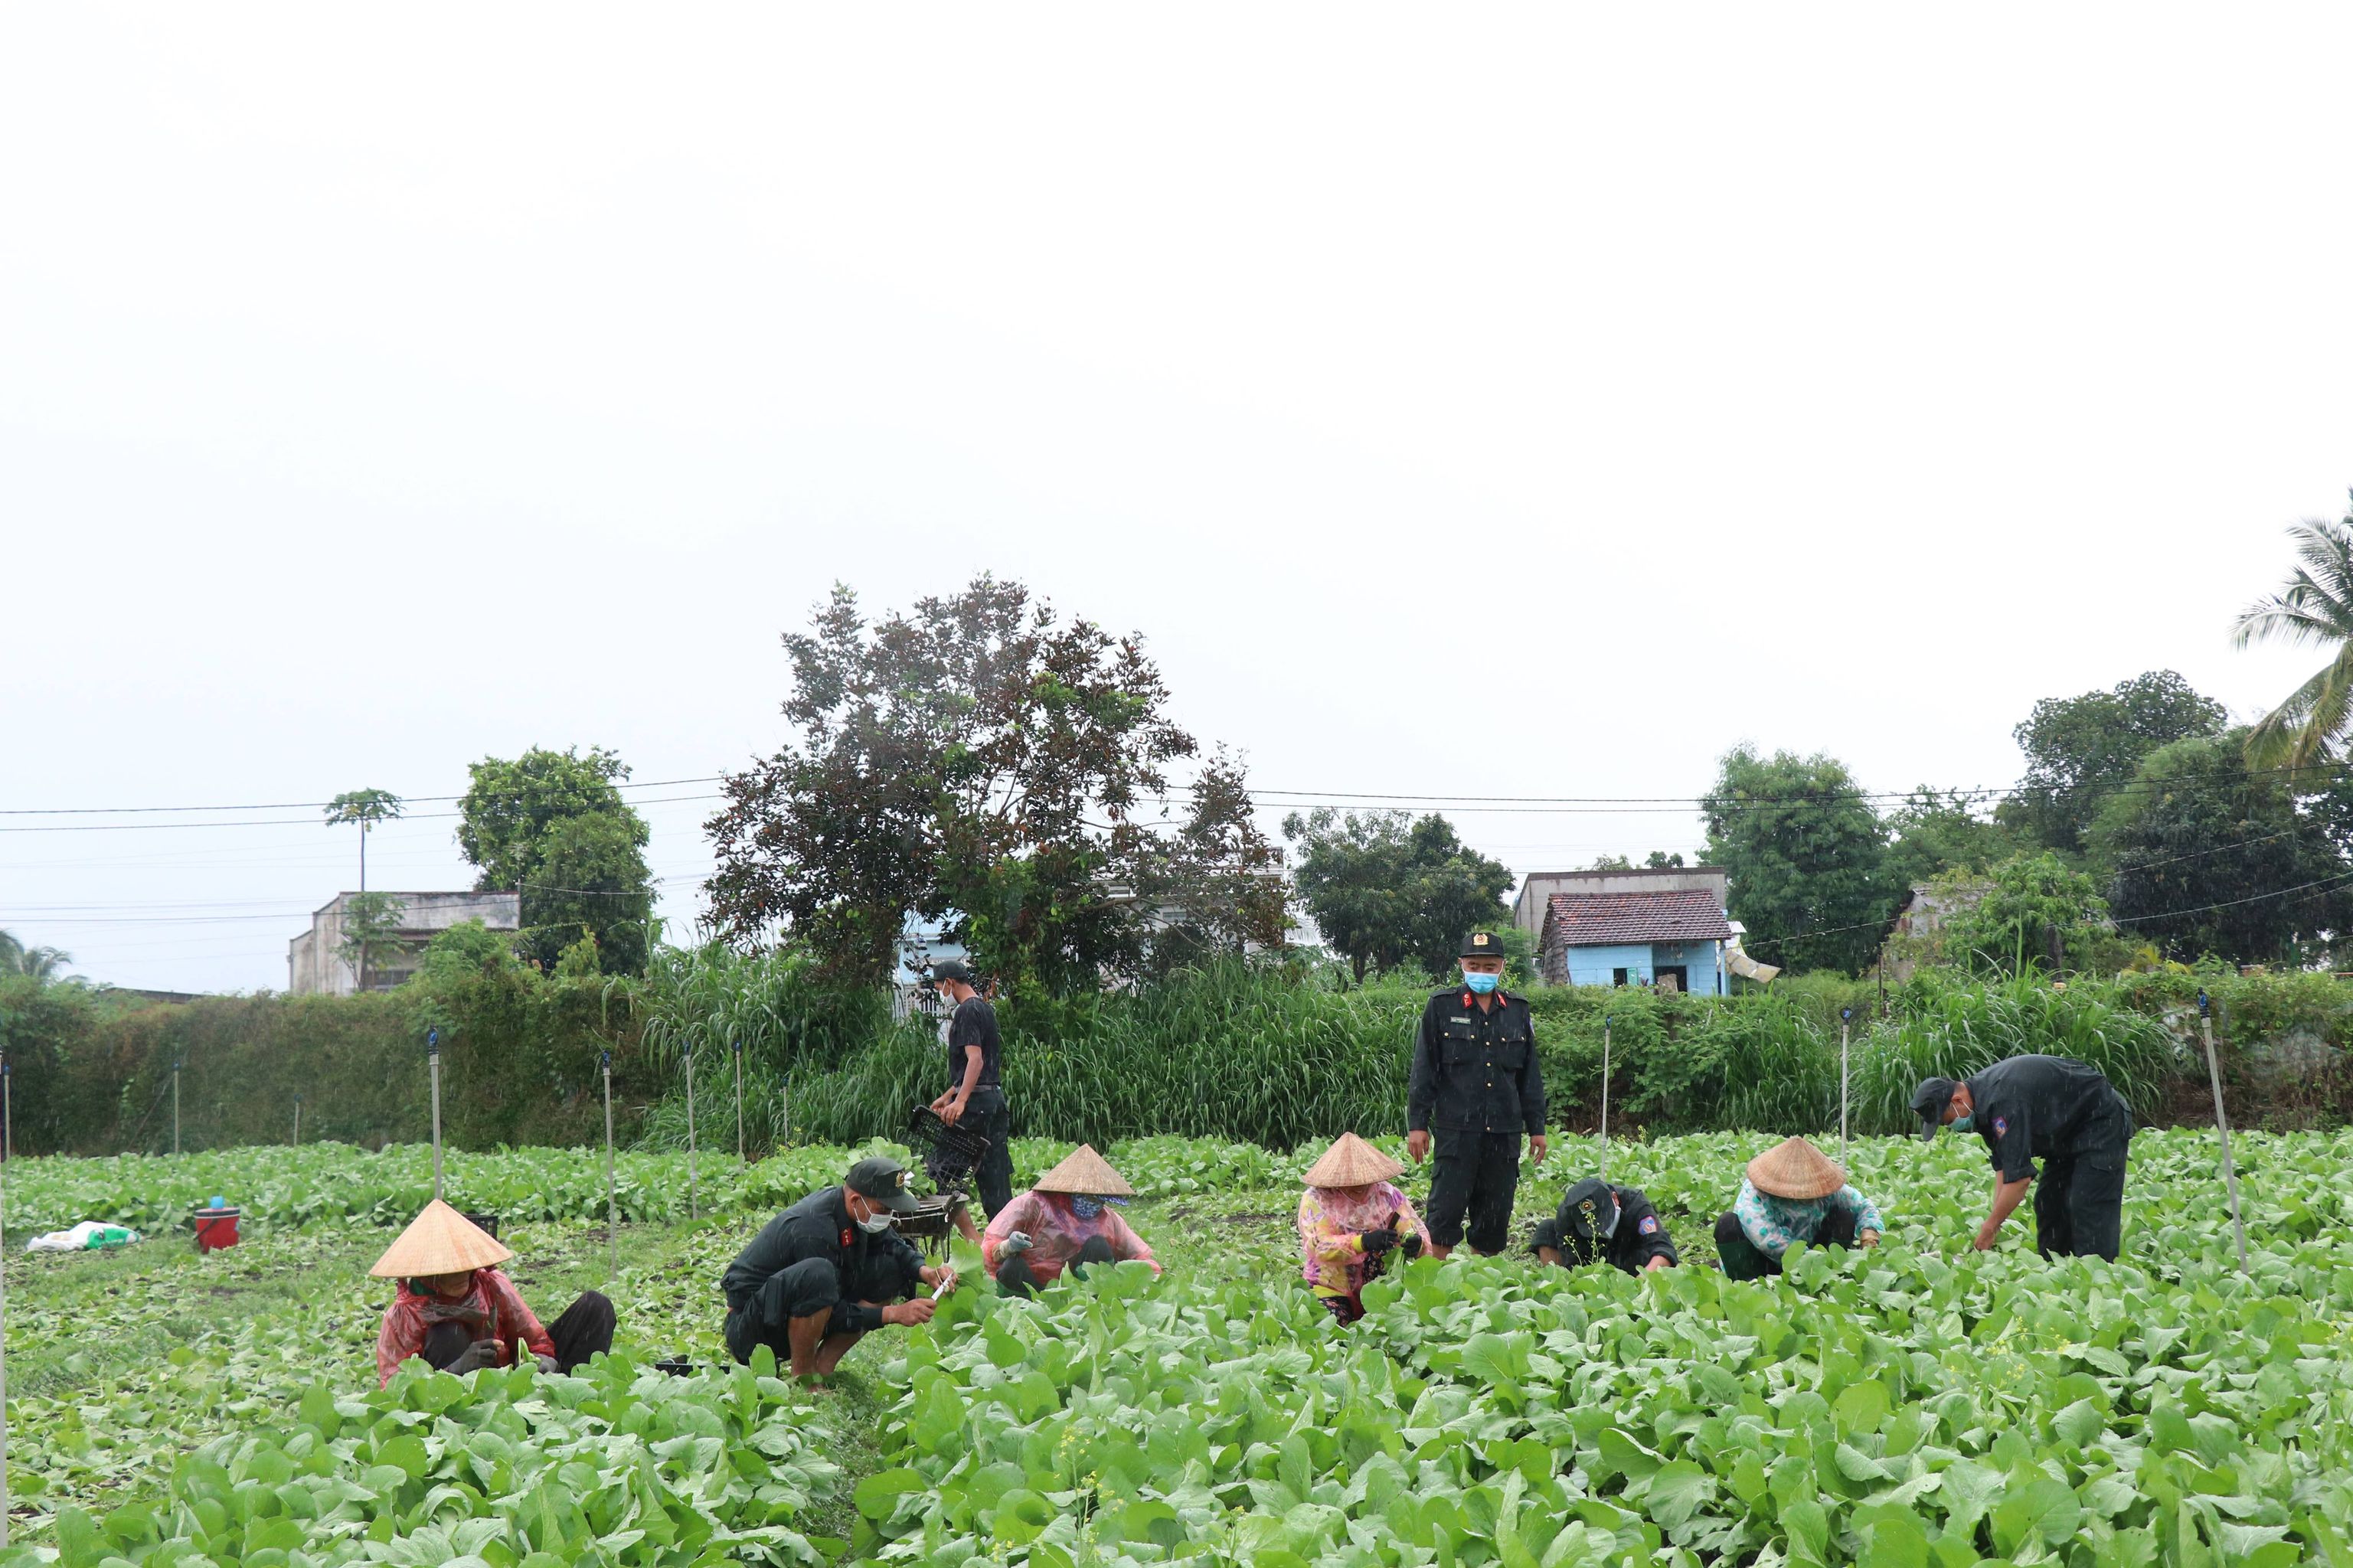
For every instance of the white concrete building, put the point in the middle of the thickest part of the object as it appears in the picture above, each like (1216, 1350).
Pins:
(316, 962)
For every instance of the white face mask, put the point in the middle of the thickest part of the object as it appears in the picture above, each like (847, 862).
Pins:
(876, 1222)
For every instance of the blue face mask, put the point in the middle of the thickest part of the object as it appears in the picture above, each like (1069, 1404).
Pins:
(1086, 1207)
(1481, 983)
(1964, 1123)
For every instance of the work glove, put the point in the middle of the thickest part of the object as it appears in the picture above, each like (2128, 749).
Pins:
(1019, 1242)
(475, 1357)
(1413, 1245)
(1375, 1242)
(546, 1364)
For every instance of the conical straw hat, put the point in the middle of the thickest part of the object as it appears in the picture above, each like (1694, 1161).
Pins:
(1351, 1162)
(1088, 1173)
(439, 1241)
(1796, 1169)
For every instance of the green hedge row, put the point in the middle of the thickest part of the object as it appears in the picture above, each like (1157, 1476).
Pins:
(1274, 1056)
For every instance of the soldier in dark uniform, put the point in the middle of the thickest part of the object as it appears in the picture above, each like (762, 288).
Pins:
(2054, 1109)
(817, 1276)
(1616, 1224)
(1476, 1082)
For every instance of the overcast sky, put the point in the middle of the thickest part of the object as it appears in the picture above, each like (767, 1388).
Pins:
(1506, 402)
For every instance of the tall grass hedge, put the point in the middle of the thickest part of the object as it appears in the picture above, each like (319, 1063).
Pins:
(1272, 1055)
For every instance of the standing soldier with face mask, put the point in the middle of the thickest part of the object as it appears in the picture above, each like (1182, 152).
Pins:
(1477, 1083)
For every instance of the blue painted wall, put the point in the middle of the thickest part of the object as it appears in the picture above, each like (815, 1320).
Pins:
(1642, 961)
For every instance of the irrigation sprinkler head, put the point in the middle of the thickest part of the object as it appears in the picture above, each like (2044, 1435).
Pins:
(1845, 1014)
(432, 1042)
(2202, 1003)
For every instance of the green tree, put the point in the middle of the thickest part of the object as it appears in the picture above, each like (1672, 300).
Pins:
(1387, 889)
(366, 807)
(2029, 901)
(1938, 831)
(2080, 750)
(2207, 858)
(371, 933)
(1807, 858)
(552, 827)
(977, 760)
(2315, 609)
(591, 881)
(1221, 879)
(41, 964)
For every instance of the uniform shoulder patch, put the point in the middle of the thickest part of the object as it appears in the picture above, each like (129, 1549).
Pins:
(2001, 1126)
(1650, 1225)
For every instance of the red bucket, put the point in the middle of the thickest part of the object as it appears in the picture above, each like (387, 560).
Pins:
(216, 1228)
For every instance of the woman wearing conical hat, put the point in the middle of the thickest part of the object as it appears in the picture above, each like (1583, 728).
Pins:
(1065, 1221)
(1352, 1217)
(455, 1308)
(1792, 1192)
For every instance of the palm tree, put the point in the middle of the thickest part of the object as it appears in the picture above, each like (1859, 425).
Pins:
(42, 964)
(2315, 608)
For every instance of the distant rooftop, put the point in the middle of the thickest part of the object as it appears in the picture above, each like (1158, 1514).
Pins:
(1608, 919)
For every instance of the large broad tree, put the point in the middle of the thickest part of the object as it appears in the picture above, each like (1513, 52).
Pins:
(2209, 859)
(2080, 750)
(2313, 609)
(1387, 889)
(552, 827)
(977, 760)
(1807, 857)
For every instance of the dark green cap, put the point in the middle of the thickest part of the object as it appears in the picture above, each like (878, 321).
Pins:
(1482, 945)
(879, 1179)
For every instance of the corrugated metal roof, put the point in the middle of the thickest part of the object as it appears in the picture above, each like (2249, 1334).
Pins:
(1606, 919)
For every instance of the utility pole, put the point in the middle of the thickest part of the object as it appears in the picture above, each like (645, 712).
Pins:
(1846, 1026)
(612, 1206)
(433, 1069)
(1605, 1096)
(2223, 1126)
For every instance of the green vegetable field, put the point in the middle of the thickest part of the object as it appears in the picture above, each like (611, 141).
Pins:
(1918, 1404)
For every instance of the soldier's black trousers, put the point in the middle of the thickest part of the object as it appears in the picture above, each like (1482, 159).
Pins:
(1474, 1175)
(2079, 1205)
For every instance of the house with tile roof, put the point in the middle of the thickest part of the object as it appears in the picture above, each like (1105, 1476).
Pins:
(1605, 933)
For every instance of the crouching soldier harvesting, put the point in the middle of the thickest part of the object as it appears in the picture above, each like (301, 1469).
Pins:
(828, 1271)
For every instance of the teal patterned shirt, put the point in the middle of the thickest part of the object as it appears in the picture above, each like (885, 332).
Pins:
(1772, 1223)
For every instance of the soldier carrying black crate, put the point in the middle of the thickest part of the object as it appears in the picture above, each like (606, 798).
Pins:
(974, 1099)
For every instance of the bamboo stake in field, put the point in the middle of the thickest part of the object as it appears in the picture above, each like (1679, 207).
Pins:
(1846, 1024)
(1605, 1096)
(2223, 1126)
(175, 1107)
(298, 1121)
(612, 1206)
(8, 1109)
(739, 1103)
(433, 1069)
(693, 1206)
